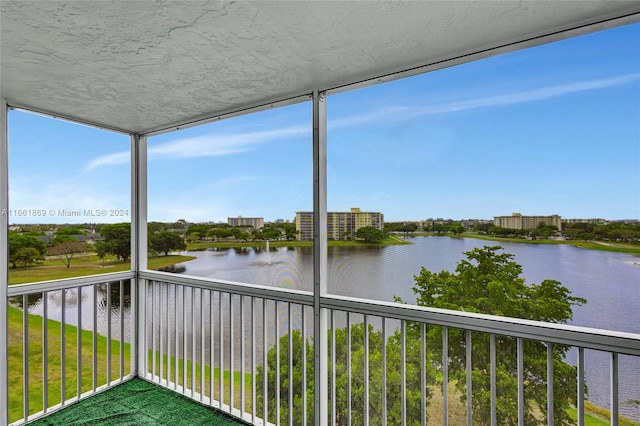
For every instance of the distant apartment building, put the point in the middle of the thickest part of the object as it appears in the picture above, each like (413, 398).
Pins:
(256, 222)
(594, 221)
(518, 221)
(340, 225)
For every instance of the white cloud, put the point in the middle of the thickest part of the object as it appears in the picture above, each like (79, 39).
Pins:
(202, 146)
(401, 113)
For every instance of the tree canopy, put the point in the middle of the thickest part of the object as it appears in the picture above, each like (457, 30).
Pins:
(117, 239)
(166, 241)
(370, 233)
(490, 282)
(25, 249)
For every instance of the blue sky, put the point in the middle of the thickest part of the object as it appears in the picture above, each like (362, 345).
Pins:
(553, 129)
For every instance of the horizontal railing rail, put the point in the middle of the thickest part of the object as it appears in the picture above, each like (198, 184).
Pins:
(253, 290)
(588, 338)
(40, 286)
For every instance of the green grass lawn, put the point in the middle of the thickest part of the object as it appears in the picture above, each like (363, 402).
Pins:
(90, 264)
(203, 245)
(590, 245)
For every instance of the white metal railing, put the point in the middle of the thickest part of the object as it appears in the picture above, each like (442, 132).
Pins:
(201, 332)
(210, 341)
(77, 347)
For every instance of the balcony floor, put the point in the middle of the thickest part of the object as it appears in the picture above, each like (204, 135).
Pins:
(138, 402)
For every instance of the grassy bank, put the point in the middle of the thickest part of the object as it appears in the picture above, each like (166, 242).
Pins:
(590, 245)
(203, 245)
(89, 264)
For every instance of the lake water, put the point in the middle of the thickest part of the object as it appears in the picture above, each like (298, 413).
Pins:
(609, 281)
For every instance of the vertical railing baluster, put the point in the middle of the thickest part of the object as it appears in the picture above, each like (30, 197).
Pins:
(193, 342)
(79, 344)
(63, 348)
(423, 374)
(168, 319)
(614, 389)
(254, 406)
(231, 355)
(212, 348)
(304, 368)
(265, 365)
(333, 367)
(161, 313)
(445, 375)
(184, 339)
(108, 333)
(469, 371)
(175, 337)
(366, 370)
(152, 323)
(349, 369)
(580, 391)
(520, 358)
(45, 351)
(277, 334)
(550, 414)
(202, 392)
(403, 371)
(220, 351)
(121, 296)
(94, 339)
(384, 371)
(290, 364)
(493, 387)
(25, 356)
(242, 356)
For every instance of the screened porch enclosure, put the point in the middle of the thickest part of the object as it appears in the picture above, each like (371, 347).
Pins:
(252, 350)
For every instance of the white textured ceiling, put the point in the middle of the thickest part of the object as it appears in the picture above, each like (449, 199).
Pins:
(141, 66)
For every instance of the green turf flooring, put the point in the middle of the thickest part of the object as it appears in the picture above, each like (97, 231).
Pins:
(138, 402)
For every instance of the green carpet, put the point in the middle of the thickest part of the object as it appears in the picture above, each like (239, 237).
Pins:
(138, 402)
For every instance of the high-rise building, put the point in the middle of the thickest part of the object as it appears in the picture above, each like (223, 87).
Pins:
(340, 225)
(518, 221)
(256, 222)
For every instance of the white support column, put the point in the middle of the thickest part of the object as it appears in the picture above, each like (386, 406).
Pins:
(321, 371)
(139, 246)
(4, 261)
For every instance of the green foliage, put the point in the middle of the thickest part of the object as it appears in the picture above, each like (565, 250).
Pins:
(70, 231)
(489, 282)
(370, 233)
(166, 241)
(117, 239)
(25, 250)
(375, 342)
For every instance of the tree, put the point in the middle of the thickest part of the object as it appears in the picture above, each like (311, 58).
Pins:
(457, 229)
(489, 282)
(65, 250)
(117, 238)
(167, 241)
(101, 250)
(375, 342)
(370, 233)
(271, 233)
(18, 253)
